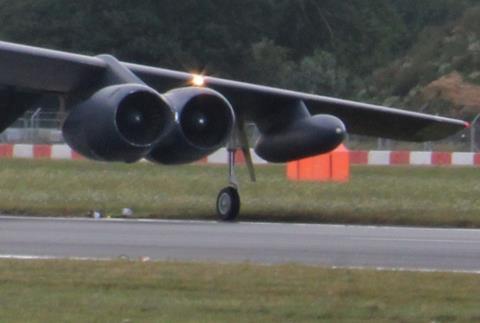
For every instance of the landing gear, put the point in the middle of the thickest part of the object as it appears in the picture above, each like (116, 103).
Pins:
(228, 200)
(228, 204)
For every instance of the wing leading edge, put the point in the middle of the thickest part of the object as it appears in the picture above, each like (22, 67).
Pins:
(27, 68)
(255, 101)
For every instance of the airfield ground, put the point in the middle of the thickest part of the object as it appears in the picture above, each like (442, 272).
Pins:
(375, 195)
(124, 291)
(135, 291)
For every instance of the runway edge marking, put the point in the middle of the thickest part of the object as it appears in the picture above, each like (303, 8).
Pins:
(166, 221)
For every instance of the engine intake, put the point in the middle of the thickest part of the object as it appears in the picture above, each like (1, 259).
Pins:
(118, 123)
(204, 122)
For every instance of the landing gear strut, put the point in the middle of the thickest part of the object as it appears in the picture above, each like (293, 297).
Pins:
(228, 200)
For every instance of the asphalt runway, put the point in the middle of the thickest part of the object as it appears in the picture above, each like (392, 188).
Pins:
(325, 245)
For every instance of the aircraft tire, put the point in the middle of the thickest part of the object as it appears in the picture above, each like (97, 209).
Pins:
(228, 204)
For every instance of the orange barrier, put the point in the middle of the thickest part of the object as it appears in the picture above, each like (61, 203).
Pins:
(334, 166)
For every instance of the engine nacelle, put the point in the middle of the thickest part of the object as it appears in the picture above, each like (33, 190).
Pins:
(118, 123)
(204, 121)
(305, 137)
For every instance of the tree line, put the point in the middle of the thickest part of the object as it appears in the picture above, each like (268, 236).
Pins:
(326, 47)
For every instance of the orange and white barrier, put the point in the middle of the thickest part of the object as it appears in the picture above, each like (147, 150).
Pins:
(414, 158)
(38, 152)
(378, 158)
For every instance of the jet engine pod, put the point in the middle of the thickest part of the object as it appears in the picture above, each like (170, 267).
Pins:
(305, 137)
(203, 123)
(118, 123)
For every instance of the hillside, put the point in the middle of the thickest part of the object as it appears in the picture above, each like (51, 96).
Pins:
(440, 73)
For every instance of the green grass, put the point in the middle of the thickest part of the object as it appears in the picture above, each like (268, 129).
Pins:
(375, 195)
(70, 291)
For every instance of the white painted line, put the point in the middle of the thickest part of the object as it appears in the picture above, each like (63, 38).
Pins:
(25, 257)
(23, 151)
(463, 159)
(257, 159)
(379, 158)
(417, 240)
(218, 157)
(221, 157)
(420, 158)
(411, 270)
(32, 257)
(61, 152)
(120, 220)
(163, 221)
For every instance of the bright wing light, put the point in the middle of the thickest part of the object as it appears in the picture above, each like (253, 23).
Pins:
(198, 80)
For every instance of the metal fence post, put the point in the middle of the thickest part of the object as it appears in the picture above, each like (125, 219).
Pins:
(34, 124)
(473, 143)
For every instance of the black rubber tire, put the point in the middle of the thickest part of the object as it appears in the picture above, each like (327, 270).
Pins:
(228, 204)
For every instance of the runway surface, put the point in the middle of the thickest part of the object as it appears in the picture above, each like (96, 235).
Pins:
(326, 245)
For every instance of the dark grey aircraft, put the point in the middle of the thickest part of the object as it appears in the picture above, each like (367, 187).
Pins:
(126, 112)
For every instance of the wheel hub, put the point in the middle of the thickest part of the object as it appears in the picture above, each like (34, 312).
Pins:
(225, 203)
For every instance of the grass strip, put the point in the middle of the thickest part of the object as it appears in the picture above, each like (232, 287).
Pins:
(375, 195)
(122, 291)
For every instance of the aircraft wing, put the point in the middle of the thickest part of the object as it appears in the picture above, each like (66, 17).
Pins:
(359, 118)
(30, 70)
